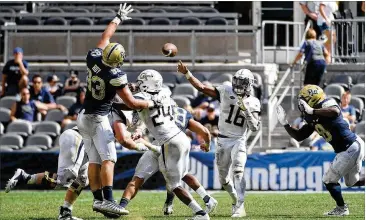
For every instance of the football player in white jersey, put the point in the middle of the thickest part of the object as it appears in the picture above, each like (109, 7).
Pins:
(238, 112)
(174, 157)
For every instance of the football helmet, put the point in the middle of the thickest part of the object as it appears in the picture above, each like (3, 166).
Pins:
(149, 81)
(113, 55)
(242, 82)
(312, 95)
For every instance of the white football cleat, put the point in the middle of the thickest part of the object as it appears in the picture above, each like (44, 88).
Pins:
(19, 176)
(338, 211)
(111, 207)
(65, 214)
(211, 205)
(233, 209)
(168, 209)
(239, 211)
(200, 217)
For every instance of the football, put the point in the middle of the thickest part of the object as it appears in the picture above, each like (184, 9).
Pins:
(169, 50)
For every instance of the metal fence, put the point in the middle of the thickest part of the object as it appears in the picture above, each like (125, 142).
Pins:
(349, 42)
(142, 43)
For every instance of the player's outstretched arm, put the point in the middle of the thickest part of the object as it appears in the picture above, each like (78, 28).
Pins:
(124, 138)
(202, 131)
(208, 90)
(122, 15)
(131, 102)
(327, 111)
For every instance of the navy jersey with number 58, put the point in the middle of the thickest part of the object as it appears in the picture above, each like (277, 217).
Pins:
(103, 81)
(334, 130)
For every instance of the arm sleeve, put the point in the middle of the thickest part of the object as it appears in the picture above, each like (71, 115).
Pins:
(220, 91)
(352, 111)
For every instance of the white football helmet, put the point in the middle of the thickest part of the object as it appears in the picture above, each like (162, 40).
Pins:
(243, 81)
(149, 81)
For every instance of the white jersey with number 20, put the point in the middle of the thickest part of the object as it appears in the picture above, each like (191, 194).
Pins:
(231, 121)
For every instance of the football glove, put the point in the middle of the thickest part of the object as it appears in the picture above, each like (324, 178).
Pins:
(281, 115)
(123, 12)
(305, 108)
(242, 104)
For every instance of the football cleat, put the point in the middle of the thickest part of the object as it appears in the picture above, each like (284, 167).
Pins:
(112, 208)
(65, 214)
(211, 205)
(97, 207)
(200, 217)
(338, 211)
(19, 176)
(239, 211)
(168, 209)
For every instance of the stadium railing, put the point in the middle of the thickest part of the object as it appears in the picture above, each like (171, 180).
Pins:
(197, 43)
(349, 40)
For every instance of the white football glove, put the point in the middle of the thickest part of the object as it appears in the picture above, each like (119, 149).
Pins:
(141, 147)
(304, 107)
(123, 12)
(281, 115)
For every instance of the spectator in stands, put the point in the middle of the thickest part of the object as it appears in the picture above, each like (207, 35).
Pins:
(26, 109)
(200, 104)
(325, 19)
(211, 120)
(39, 93)
(348, 111)
(53, 86)
(316, 58)
(72, 83)
(309, 9)
(15, 74)
(75, 108)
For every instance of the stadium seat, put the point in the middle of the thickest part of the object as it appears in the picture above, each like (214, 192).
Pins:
(200, 76)
(135, 11)
(33, 149)
(66, 101)
(216, 21)
(206, 10)
(334, 91)
(361, 79)
(20, 127)
(178, 10)
(55, 21)
(42, 141)
(160, 21)
(344, 80)
(6, 149)
(358, 90)
(170, 79)
(156, 10)
(359, 106)
(53, 10)
(186, 90)
(104, 21)
(55, 115)
(105, 10)
(13, 141)
(132, 76)
(50, 128)
(81, 21)
(2, 21)
(134, 21)
(6, 10)
(29, 21)
(70, 125)
(4, 116)
(2, 128)
(189, 21)
(360, 128)
(181, 101)
(8, 101)
(80, 10)
(221, 78)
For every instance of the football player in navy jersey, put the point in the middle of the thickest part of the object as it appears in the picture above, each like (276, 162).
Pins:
(105, 79)
(324, 116)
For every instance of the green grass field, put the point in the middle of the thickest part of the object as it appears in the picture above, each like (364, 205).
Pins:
(44, 205)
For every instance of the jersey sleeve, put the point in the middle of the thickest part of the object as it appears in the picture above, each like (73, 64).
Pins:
(118, 79)
(329, 103)
(302, 48)
(48, 98)
(95, 53)
(141, 96)
(221, 90)
(254, 105)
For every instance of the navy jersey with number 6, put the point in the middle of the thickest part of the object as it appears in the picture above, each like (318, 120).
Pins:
(334, 130)
(182, 117)
(103, 81)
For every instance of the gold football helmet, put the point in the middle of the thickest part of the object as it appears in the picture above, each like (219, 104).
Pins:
(113, 55)
(311, 94)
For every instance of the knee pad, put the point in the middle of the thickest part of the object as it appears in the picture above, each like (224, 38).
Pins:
(48, 180)
(77, 186)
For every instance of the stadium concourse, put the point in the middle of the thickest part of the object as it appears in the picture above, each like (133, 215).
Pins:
(214, 39)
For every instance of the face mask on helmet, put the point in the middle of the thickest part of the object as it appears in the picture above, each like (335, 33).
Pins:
(149, 81)
(242, 86)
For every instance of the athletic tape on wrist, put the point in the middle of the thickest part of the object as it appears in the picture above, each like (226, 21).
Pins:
(116, 20)
(188, 74)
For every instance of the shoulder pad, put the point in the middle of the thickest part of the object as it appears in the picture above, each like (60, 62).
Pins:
(96, 52)
(254, 104)
(119, 80)
(329, 103)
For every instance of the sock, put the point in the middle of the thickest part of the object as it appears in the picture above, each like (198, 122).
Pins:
(31, 179)
(98, 195)
(124, 202)
(336, 192)
(67, 205)
(239, 183)
(108, 193)
(230, 189)
(169, 197)
(201, 192)
(194, 206)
